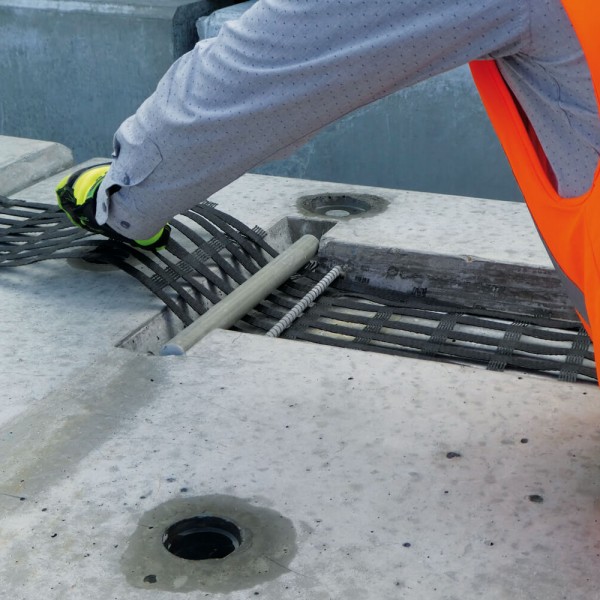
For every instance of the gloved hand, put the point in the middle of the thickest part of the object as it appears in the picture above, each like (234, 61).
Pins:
(76, 196)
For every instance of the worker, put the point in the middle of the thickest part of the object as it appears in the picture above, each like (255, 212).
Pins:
(287, 68)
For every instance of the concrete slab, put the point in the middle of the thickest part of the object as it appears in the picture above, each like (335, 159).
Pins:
(23, 162)
(355, 475)
(400, 478)
(468, 250)
(472, 251)
(416, 221)
(412, 221)
(471, 228)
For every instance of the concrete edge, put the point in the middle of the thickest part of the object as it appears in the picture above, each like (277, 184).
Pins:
(34, 167)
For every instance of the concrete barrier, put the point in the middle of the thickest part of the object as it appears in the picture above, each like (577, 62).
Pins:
(24, 162)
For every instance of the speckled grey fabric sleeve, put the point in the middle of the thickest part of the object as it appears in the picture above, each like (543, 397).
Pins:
(287, 68)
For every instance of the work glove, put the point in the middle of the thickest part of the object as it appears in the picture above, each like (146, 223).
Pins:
(76, 196)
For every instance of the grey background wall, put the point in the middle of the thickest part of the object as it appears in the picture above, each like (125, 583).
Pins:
(72, 70)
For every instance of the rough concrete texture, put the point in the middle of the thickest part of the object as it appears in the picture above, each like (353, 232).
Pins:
(400, 478)
(488, 251)
(72, 71)
(419, 221)
(23, 162)
(433, 137)
(60, 316)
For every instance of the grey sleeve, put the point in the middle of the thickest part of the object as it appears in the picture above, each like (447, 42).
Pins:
(275, 77)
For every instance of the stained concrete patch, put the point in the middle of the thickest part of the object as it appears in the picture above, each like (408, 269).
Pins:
(267, 546)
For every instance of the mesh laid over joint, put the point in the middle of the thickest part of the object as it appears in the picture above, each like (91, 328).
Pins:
(210, 253)
(433, 331)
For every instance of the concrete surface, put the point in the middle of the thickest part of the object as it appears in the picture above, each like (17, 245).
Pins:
(63, 64)
(432, 137)
(478, 252)
(112, 305)
(399, 478)
(352, 448)
(58, 317)
(23, 162)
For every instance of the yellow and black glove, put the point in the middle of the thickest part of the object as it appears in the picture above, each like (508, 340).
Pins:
(76, 195)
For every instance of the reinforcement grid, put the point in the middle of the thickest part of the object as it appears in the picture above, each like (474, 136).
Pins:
(210, 253)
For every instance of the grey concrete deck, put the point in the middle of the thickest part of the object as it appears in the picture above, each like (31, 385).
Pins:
(399, 478)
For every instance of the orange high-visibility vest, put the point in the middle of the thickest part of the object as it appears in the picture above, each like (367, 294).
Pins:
(569, 227)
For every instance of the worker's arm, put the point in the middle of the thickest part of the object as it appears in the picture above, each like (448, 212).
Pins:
(287, 68)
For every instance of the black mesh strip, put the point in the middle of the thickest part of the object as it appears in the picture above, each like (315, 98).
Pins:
(168, 299)
(255, 235)
(433, 333)
(574, 360)
(228, 242)
(205, 252)
(319, 313)
(208, 260)
(187, 266)
(175, 271)
(374, 325)
(440, 334)
(408, 346)
(30, 206)
(506, 346)
(21, 247)
(251, 243)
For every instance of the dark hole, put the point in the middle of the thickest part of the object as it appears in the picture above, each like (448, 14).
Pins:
(342, 205)
(338, 205)
(202, 538)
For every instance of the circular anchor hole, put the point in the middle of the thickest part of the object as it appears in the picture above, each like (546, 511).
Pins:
(202, 538)
(342, 206)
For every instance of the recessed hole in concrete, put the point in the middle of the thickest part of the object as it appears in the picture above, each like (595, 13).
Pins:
(337, 212)
(202, 538)
(342, 206)
(261, 542)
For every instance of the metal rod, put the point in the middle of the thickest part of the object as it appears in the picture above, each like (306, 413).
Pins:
(245, 297)
(301, 306)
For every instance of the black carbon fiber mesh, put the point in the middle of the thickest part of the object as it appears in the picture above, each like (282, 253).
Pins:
(210, 253)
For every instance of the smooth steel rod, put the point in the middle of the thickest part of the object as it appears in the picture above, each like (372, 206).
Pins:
(245, 297)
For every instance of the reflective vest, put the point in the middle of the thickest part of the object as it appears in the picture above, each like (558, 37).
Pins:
(569, 227)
